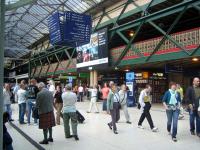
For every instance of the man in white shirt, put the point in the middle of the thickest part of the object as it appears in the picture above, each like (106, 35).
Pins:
(6, 100)
(21, 98)
(69, 113)
(94, 95)
(80, 93)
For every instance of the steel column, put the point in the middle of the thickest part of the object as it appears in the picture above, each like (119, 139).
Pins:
(2, 27)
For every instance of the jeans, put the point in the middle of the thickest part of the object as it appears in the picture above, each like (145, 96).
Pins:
(74, 123)
(8, 109)
(22, 111)
(8, 147)
(80, 96)
(30, 105)
(146, 114)
(105, 105)
(172, 116)
(194, 115)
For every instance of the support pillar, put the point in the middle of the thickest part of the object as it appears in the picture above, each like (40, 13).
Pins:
(2, 26)
(93, 78)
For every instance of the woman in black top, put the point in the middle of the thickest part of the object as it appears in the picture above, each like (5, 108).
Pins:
(58, 103)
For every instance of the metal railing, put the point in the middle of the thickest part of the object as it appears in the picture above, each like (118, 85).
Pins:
(189, 39)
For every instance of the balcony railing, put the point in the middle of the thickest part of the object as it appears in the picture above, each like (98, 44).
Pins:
(189, 39)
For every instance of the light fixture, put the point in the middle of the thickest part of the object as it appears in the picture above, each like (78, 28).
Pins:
(131, 33)
(127, 70)
(195, 59)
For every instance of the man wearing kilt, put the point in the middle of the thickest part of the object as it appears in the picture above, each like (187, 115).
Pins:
(44, 103)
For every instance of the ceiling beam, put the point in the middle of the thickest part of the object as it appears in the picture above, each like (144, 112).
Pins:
(19, 4)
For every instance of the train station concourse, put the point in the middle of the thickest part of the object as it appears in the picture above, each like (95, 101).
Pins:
(99, 74)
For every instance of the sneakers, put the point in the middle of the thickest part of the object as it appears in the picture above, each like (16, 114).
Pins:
(109, 125)
(76, 138)
(140, 127)
(192, 133)
(128, 122)
(115, 132)
(68, 137)
(50, 139)
(174, 139)
(35, 124)
(155, 129)
(44, 142)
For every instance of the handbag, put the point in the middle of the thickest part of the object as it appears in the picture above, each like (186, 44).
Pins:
(138, 106)
(35, 112)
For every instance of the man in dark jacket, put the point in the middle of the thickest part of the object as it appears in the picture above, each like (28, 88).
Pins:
(193, 97)
(44, 103)
(7, 139)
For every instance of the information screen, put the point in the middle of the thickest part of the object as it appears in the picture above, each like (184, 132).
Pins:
(95, 53)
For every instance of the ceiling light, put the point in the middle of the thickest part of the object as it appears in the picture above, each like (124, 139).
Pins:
(127, 70)
(195, 59)
(131, 33)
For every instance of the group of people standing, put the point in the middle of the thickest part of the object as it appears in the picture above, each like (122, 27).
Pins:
(44, 98)
(40, 100)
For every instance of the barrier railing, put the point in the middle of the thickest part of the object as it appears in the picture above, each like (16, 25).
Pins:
(189, 39)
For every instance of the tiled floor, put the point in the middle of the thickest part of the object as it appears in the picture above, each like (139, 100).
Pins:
(95, 135)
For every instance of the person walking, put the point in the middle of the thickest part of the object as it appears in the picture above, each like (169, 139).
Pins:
(105, 91)
(21, 99)
(69, 113)
(58, 103)
(93, 101)
(193, 97)
(7, 101)
(145, 103)
(123, 102)
(171, 102)
(44, 103)
(113, 107)
(80, 93)
(180, 90)
(32, 91)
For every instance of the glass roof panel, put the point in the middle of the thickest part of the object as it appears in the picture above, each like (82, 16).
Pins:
(27, 24)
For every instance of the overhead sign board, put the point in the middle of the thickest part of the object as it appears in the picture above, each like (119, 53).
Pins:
(69, 28)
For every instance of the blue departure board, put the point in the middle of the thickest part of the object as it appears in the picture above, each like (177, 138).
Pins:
(70, 29)
(54, 29)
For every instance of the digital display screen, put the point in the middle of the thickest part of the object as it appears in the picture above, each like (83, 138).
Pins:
(95, 53)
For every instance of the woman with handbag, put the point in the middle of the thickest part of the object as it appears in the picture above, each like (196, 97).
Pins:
(145, 103)
(123, 102)
(113, 107)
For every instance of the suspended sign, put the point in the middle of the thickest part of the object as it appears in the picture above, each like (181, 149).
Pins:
(69, 28)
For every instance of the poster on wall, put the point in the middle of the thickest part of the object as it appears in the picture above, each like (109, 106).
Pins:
(130, 87)
(95, 53)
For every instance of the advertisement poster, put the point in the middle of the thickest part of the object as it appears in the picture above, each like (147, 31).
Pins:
(95, 53)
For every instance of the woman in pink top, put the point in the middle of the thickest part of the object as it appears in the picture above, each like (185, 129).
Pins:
(105, 91)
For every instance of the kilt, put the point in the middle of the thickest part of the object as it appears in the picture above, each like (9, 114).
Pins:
(46, 120)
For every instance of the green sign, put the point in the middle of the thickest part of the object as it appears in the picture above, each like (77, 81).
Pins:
(84, 75)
